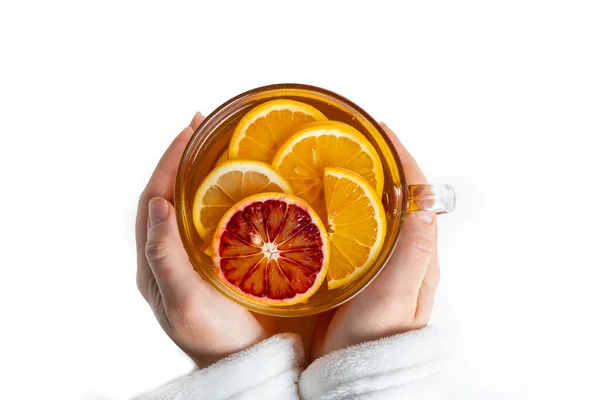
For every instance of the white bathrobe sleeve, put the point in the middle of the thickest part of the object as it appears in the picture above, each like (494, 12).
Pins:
(404, 366)
(267, 370)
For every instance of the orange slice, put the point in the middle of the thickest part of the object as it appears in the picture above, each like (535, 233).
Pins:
(303, 158)
(271, 248)
(227, 184)
(356, 225)
(261, 131)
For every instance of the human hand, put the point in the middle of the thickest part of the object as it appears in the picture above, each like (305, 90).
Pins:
(203, 323)
(401, 298)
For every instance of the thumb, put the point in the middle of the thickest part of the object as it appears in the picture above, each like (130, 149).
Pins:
(168, 260)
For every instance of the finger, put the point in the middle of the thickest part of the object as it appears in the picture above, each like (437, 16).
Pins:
(406, 269)
(196, 121)
(417, 247)
(176, 278)
(413, 173)
(161, 184)
(162, 181)
(428, 289)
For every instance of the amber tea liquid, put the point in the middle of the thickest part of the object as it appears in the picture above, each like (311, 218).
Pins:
(216, 141)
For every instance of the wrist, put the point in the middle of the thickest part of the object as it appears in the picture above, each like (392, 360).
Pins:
(366, 330)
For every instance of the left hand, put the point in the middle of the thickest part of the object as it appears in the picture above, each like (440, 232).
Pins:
(203, 323)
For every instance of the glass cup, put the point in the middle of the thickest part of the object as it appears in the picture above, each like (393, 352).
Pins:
(212, 138)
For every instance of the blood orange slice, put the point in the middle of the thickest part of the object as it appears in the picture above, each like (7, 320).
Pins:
(272, 248)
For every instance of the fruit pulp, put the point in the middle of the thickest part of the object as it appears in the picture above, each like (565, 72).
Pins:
(272, 248)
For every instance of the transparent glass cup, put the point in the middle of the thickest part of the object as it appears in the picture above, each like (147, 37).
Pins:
(212, 138)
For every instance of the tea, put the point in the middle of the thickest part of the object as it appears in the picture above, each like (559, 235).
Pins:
(271, 254)
(209, 149)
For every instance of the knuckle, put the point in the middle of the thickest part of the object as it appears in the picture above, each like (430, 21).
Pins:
(422, 243)
(421, 246)
(157, 251)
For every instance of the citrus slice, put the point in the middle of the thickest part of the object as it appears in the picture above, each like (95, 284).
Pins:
(357, 224)
(226, 185)
(261, 131)
(302, 159)
(271, 248)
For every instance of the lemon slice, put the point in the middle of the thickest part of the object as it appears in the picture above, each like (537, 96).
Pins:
(261, 131)
(227, 184)
(356, 225)
(303, 157)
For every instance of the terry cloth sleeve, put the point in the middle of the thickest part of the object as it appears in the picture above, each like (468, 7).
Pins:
(267, 370)
(404, 366)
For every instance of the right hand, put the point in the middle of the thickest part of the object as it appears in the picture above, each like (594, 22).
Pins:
(203, 323)
(401, 297)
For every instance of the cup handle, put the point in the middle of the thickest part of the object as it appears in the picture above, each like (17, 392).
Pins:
(436, 197)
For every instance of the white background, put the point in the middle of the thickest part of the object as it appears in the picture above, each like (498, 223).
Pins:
(500, 99)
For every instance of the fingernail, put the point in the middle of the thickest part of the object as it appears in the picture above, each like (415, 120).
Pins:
(158, 210)
(198, 114)
(425, 216)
